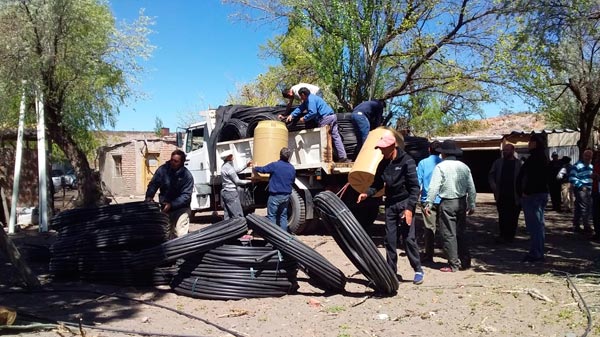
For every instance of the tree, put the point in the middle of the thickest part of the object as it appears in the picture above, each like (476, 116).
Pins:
(74, 57)
(365, 49)
(556, 47)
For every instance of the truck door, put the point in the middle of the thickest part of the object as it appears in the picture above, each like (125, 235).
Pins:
(197, 162)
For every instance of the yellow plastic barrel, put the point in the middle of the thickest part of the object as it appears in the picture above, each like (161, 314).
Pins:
(269, 137)
(362, 174)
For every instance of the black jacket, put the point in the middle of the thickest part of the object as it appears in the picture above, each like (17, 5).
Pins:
(532, 178)
(399, 176)
(175, 187)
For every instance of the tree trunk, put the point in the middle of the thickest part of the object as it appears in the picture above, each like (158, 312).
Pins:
(89, 188)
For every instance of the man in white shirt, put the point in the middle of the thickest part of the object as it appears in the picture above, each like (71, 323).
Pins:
(294, 92)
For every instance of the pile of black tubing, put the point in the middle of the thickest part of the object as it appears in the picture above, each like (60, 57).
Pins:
(233, 129)
(321, 272)
(355, 242)
(96, 244)
(193, 243)
(416, 147)
(239, 269)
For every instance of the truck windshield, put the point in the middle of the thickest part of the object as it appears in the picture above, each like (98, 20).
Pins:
(194, 139)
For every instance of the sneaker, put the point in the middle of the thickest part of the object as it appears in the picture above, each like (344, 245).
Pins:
(418, 277)
(344, 160)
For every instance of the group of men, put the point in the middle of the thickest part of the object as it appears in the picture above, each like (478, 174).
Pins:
(365, 116)
(175, 183)
(447, 193)
(528, 185)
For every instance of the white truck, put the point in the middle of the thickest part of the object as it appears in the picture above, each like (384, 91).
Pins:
(312, 157)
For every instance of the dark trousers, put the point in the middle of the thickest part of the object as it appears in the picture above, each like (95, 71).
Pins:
(596, 212)
(395, 226)
(508, 218)
(452, 219)
(555, 197)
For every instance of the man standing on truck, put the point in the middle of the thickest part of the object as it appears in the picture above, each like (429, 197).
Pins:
(317, 108)
(397, 171)
(230, 198)
(367, 116)
(294, 92)
(281, 179)
(176, 184)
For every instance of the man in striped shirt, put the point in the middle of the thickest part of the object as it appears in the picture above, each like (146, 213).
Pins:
(452, 181)
(581, 180)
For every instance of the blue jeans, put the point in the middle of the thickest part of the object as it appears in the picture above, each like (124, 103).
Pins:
(362, 126)
(277, 209)
(533, 209)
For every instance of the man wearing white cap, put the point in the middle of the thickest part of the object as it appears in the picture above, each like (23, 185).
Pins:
(397, 171)
(230, 198)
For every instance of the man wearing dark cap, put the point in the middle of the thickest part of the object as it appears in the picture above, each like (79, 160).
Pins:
(424, 171)
(452, 181)
(554, 184)
(397, 172)
(281, 179)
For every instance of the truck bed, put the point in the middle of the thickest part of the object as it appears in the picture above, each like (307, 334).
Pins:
(311, 149)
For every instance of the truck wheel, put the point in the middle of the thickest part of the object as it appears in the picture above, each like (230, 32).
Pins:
(296, 214)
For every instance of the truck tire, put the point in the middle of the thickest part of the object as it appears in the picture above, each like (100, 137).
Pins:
(296, 214)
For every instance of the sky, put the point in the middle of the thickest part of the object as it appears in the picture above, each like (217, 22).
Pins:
(201, 55)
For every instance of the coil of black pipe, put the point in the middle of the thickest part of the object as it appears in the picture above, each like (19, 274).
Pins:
(355, 242)
(235, 271)
(233, 129)
(321, 272)
(96, 244)
(200, 241)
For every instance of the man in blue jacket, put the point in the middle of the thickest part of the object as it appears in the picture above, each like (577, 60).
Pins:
(317, 108)
(367, 116)
(281, 179)
(176, 184)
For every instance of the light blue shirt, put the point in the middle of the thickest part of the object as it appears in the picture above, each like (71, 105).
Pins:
(424, 172)
(315, 106)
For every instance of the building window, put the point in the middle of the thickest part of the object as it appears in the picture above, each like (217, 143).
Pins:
(118, 165)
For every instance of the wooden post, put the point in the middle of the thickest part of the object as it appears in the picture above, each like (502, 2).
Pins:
(14, 255)
(4, 205)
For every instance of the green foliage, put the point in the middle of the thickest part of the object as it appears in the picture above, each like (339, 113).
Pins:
(158, 126)
(552, 57)
(365, 49)
(76, 55)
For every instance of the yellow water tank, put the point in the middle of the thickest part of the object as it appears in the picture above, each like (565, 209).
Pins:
(362, 174)
(270, 137)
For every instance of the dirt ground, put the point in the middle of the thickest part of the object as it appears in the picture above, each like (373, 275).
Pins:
(499, 296)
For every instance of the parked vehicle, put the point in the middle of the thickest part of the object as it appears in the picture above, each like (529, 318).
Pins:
(58, 177)
(61, 180)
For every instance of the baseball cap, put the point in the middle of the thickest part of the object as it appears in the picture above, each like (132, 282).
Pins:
(386, 140)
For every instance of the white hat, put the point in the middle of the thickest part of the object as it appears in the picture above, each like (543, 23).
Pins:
(226, 154)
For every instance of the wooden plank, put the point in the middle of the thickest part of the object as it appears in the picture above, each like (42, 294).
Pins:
(4, 205)
(14, 255)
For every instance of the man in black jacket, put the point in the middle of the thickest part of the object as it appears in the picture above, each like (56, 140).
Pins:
(176, 185)
(397, 171)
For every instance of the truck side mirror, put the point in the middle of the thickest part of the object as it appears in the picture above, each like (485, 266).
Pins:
(179, 139)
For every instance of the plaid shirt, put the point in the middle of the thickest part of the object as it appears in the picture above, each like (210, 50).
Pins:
(451, 179)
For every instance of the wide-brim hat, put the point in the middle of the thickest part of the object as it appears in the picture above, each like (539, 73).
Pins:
(449, 147)
(226, 154)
